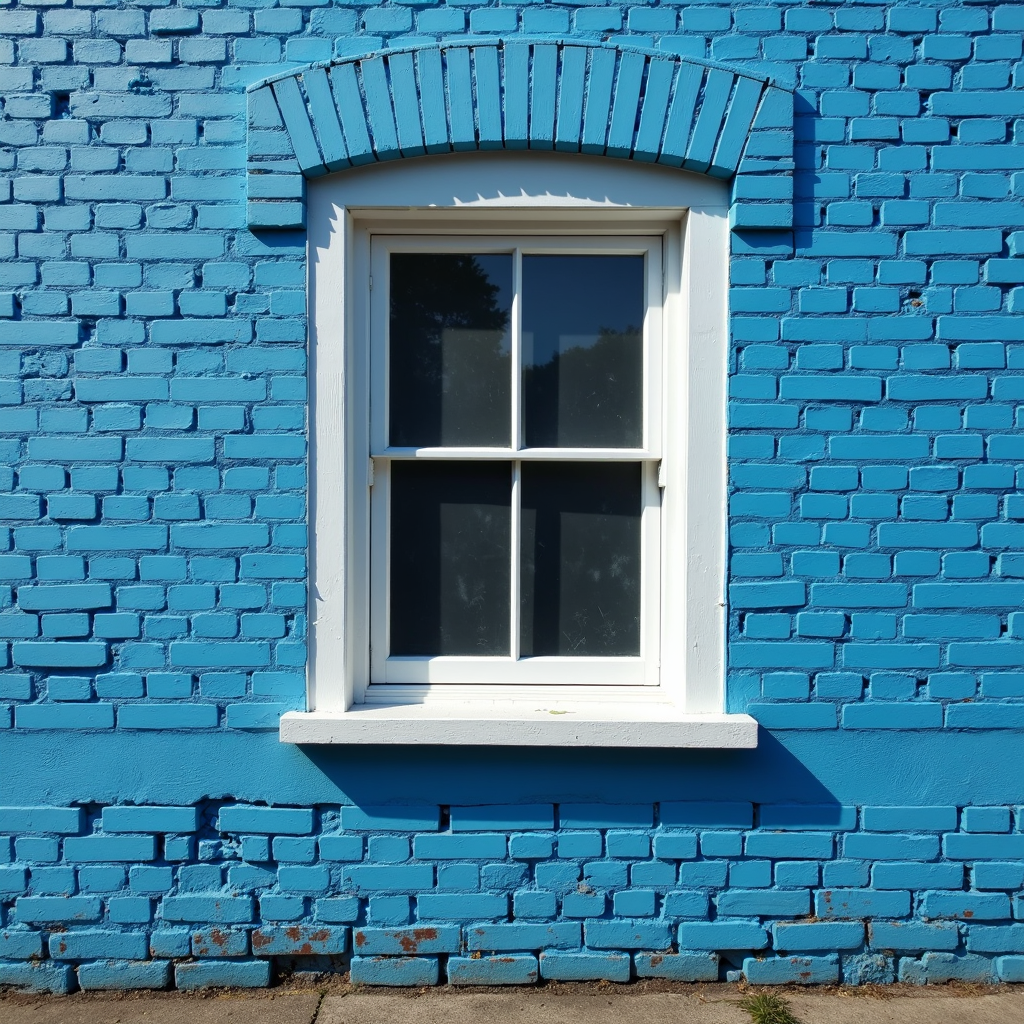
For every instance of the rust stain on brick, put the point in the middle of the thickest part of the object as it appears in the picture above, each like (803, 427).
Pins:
(411, 943)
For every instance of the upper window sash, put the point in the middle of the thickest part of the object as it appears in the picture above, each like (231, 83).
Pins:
(650, 247)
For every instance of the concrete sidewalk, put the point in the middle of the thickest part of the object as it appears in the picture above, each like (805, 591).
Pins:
(576, 1004)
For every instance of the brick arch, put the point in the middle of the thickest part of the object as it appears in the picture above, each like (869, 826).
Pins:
(608, 100)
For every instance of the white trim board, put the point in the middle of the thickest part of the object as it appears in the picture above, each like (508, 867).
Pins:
(490, 725)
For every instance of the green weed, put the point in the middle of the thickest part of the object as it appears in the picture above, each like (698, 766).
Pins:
(768, 1008)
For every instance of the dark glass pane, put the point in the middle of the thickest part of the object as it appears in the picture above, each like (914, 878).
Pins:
(450, 373)
(580, 558)
(582, 351)
(450, 557)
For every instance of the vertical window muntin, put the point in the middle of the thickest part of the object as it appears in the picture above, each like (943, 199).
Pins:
(640, 668)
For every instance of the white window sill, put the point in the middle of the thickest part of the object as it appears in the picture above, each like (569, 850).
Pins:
(495, 724)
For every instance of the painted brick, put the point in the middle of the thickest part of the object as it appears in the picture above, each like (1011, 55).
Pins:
(507, 937)
(861, 903)
(406, 941)
(626, 935)
(454, 847)
(36, 977)
(21, 944)
(367, 878)
(491, 818)
(121, 974)
(110, 848)
(277, 820)
(825, 935)
(154, 489)
(389, 819)
(90, 945)
(437, 906)
(722, 935)
(64, 820)
(399, 971)
(222, 974)
(298, 941)
(518, 969)
(677, 966)
(982, 847)
(55, 909)
(150, 819)
(559, 966)
(794, 970)
(995, 938)
(213, 908)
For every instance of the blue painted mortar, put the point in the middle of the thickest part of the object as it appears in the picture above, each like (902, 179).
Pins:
(153, 437)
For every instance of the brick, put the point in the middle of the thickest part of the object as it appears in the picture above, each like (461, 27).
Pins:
(825, 935)
(498, 938)
(858, 903)
(64, 820)
(208, 908)
(717, 935)
(556, 965)
(798, 970)
(626, 935)
(222, 974)
(21, 944)
(434, 906)
(398, 971)
(677, 966)
(299, 941)
(35, 977)
(408, 941)
(57, 909)
(493, 818)
(98, 944)
(982, 847)
(995, 938)
(88, 849)
(518, 969)
(368, 878)
(122, 974)
(455, 847)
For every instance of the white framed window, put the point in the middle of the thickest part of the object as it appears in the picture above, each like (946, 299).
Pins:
(515, 433)
(518, 370)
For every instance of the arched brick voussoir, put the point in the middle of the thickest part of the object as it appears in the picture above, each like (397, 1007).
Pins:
(615, 101)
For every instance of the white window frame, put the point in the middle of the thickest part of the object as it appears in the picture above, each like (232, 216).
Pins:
(448, 671)
(523, 194)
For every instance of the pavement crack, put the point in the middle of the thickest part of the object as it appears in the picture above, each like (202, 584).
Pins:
(316, 1012)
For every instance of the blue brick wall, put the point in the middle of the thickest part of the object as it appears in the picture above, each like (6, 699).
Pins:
(133, 897)
(153, 539)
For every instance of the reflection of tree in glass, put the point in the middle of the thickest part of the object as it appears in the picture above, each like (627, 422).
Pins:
(449, 366)
(587, 395)
(580, 544)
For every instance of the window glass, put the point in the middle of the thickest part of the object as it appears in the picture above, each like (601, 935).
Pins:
(450, 558)
(450, 349)
(580, 591)
(582, 351)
